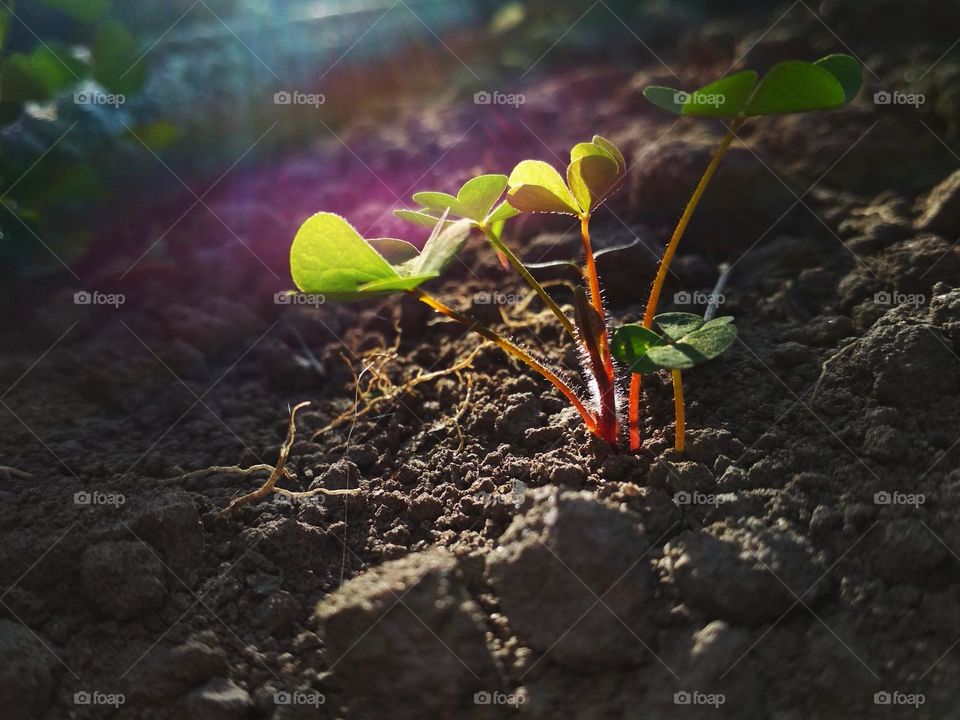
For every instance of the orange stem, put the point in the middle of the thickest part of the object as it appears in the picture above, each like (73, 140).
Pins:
(679, 410)
(511, 349)
(636, 380)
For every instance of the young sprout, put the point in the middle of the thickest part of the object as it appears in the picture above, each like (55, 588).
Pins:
(685, 340)
(789, 87)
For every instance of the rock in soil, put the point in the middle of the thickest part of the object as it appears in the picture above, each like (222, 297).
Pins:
(588, 562)
(389, 629)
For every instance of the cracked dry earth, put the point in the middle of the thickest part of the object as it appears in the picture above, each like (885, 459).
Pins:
(799, 558)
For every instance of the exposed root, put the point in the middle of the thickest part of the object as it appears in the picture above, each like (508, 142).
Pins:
(384, 388)
(13, 472)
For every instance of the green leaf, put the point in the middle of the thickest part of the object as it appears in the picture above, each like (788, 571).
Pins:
(82, 10)
(391, 285)
(418, 217)
(702, 344)
(592, 178)
(536, 186)
(56, 68)
(795, 86)
(20, 80)
(394, 251)
(440, 249)
(504, 211)
(440, 202)
(117, 64)
(846, 70)
(630, 345)
(329, 256)
(677, 324)
(725, 97)
(612, 151)
(665, 98)
(478, 195)
(156, 135)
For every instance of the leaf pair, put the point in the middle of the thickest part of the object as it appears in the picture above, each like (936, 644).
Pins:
(330, 257)
(791, 86)
(475, 201)
(686, 340)
(595, 169)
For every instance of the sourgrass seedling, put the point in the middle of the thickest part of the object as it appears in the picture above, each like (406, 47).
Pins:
(788, 87)
(330, 257)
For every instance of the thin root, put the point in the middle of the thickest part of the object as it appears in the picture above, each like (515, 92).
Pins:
(13, 472)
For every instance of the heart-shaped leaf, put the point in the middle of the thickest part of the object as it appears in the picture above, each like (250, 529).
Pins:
(418, 217)
(612, 151)
(536, 186)
(630, 345)
(792, 86)
(503, 212)
(592, 178)
(439, 202)
(329, 256)
(796, 86)
(478, 195)
(675, 325)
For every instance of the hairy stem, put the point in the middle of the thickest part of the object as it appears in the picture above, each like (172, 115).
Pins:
(511, 349)
(606, 382)
(518, 265)
(654, 299)
(681, 423)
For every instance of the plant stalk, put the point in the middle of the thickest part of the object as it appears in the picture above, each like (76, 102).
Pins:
(518, 265)
(511, 349)
(606, 381)
(678, 407)
(656, 289)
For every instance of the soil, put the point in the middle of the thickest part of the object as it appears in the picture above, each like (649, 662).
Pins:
(800, 559)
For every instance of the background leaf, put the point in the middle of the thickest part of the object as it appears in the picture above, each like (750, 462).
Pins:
(796, 86)
(440, 249)
(418, 218)
(677, 324)
(846, 70)
(394, 251)
(664, 98)
(630, 345)
(440, 202)
(725, 97)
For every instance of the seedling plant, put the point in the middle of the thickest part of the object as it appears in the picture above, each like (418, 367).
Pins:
(330, 257)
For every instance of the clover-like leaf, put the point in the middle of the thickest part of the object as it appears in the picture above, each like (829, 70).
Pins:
(418, 217)
(502, 213)
(795, 86)
(536, 186)
(395, 251)
(478, 195)
(592, 178)
(329, 256)
(438, 202)
(630, 345)
(444, 243)
(687, 340)
(791, 86)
